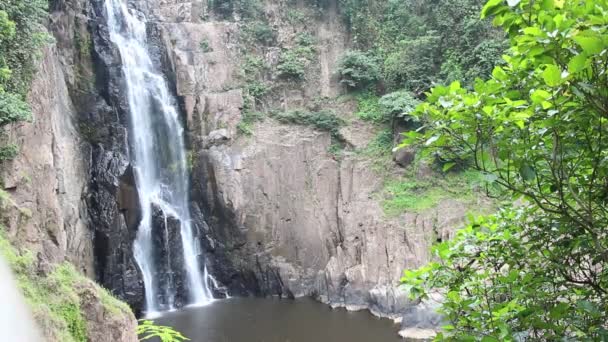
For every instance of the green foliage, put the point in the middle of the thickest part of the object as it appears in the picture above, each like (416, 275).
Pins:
(261, 32)
(293, 62)
(252, 66)
(21, 38)
(305, 39)
(368, 107)
(398, 105)
(256, 89)
(385, 109)
(538, 129)
(205, 46)
(296, 17)
(414, 195)
(324, 120)
(226, 9)
(148, 330)
(8, 152)
(53, 299)
(414, 64)
(358, 69)
(419, 43)
(12, 108)
(379, 151)
(247, 120)
(251, 71)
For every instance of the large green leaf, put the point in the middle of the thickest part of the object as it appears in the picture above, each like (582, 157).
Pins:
(552, 75)
(527, 172)
(490, 7)
(577, 63)
(591, 43)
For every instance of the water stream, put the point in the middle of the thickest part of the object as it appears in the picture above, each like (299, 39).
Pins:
(158, 155)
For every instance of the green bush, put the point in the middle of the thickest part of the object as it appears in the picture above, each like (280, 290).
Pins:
(324, 120)
(368, 108)
(251, 71)
(379, 151)
(52, 299)
(358, 69)
(256, 89)
(398, 105)
(305, 39)
(293, 63)
(414, 64)
(418, 42)
(205, 46)
(536, 129)
(413, 195)
(248, 118)
(295, 17)
(261, 33)
(13, 108)
(247, 9)
(386, 109)
(21, 38)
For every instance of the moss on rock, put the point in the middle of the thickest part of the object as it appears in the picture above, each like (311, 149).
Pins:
(55, 295)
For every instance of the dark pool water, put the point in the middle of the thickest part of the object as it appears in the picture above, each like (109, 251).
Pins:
(276, 320)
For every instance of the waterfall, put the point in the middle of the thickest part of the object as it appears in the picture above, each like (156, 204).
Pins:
(158, 156)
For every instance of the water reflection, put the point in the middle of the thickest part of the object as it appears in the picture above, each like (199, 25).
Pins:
(275, 320)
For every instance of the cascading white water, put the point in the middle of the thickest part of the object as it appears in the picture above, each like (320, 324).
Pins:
(158, 156)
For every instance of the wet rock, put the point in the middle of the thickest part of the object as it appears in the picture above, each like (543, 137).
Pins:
(168, 257)
(128, 199)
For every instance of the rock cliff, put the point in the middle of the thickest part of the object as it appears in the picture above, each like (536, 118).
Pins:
(48, 185)
(284, 215)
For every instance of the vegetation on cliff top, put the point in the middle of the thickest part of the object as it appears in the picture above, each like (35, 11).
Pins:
(537, 129)
(414, 44)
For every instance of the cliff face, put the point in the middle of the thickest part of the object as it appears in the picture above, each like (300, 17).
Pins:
(284, 215)
(46, 211)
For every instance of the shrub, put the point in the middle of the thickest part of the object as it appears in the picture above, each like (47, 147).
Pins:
(256, 89)
(247, 9)
(414, 64)
(205, 46)
(358, 69)
(324, 120)
(410, 194)
(247, 119)
(398, 105)
(379, 151)
(293, 62)
(52, 299)
(261, 33)
(385, 109)
(21, 38)
(368, 107)
(295, 16)
(304, 39)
